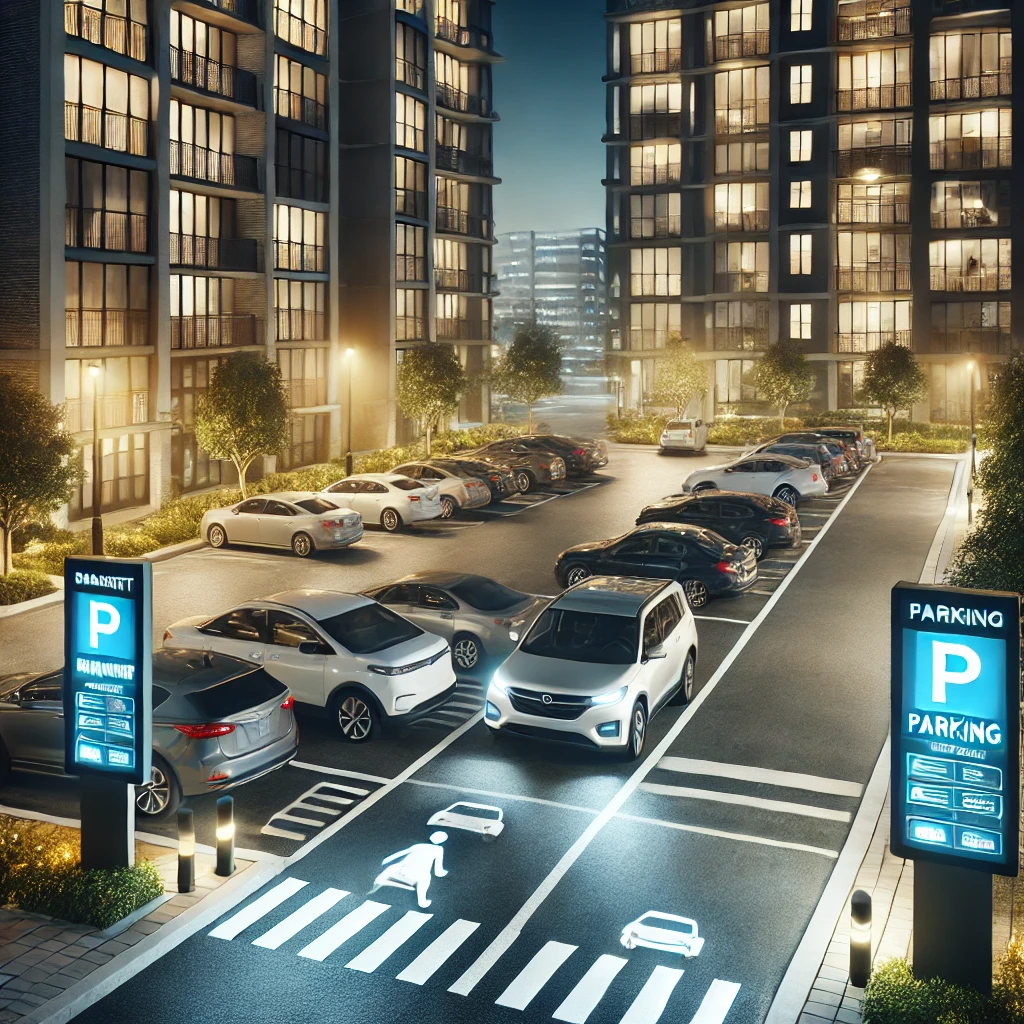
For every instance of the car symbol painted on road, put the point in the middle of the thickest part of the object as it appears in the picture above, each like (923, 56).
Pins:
(666, 932)
(485, 821)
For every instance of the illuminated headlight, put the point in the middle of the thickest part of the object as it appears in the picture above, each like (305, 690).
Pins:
(392, 670)
(499, 686)
(609, 698)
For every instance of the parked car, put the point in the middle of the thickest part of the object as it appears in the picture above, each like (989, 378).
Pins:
(818, 454)
(666, 932)
(854, 438)
(780, 476)
(703, 562)
(455, 490)
(752, 521)
(300, 520)
(597, 665)
(390, 499)
(687, 435)
(344, 652)
(582, 455)
(531, 467)
(477, 615)
(851, 454)
(217, 722)
(499, 479)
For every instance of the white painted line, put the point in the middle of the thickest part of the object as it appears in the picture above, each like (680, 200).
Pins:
(282, 833)
(581, 1002)
(649, 1005)
(379, 950)
(337, 787)
(718, 618)
(343, 801)
(535, 975)
(298, 819)
(324, 945)
(437, 953)
(337, 771)
(249, 915)
(762, 804)
(460, 704)
(305, 915)
(502, 796)
(717, 1003)
(510, 932)
(770, 777)
(760, 593)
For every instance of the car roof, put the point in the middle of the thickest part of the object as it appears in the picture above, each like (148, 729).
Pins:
(291, 496)
(383, 478)
(611, 595)
(786, 460)
(439, 577)
(320, 604)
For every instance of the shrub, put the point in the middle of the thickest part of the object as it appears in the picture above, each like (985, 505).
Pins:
(916, 442)
(385, 459)
(23, 585)
(49, 557)
(636, 429)
(475, 437)
(129, 543)
(179, 520)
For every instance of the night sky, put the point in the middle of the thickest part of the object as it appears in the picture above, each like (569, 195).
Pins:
(550, 98)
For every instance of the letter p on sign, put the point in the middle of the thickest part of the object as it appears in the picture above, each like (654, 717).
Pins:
(943, 676)
(97, 625)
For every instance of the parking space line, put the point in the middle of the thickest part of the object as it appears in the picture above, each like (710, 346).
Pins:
(501, 796)
(299, 820)
(460, 704)
(719, 618)
(769, 776)
(535, 975)
(761, 803)
(337, 771)
(716, 1003)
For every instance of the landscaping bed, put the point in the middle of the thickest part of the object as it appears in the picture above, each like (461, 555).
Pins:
(24, 585)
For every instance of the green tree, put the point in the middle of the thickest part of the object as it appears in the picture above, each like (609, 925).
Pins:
(991, 556)
(893, 380)
(40, 463)
(244, 413)
(680, 377)
(783, 376)
(531, 367)
(431, 381)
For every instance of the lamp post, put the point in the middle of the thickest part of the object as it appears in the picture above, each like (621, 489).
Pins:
(349, 353)
(974, 436)
(97, 487)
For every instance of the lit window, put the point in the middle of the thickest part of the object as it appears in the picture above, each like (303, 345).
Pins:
(800, 321)
(800, 83)
(800, 15)
(800, 146)
(799, 254)
(799, 195)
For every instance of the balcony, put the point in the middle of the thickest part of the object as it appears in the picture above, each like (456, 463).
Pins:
(973, 87)
(869, 341)
(742, 281)
(410, 328)
(297, 107)
(200, 164)
(983, 340)
(411, 75)
(737, 45)
(748, 117)
(111, 31)
(659, 62)
(118, 409)
(461, 222)
(215, 253)
(299, 33)
(411, 203)
(872, 211)
(210, 76)
(310, 259)
(740, 339)
(853, 163)
(670, 226)
(472, 37)
(246, 10)
(659, 174)
(971, 279)
(461, 330)
(452, 98)
(216, 330)
(873, 277)
(447, 279)
(410, 268)
(306, 394)
(873, 97)
(113, 230)
(748, 220)
(971, 154)
(106, 128)
(872, 19)
(450, 158)
(105, 328)
(301, 325)
(655, 126)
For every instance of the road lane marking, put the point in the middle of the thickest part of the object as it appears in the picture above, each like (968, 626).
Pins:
(581, 1002)
(649, 1005)
(762, 804)
(327, 792)
(338, 771)
(380, 949)
(535, 975)
(502, 796)
(716, 1003)
(434, 957)
(299, 919)
(769, 776)
(323, 946)
(718, 618)
(249, 915)
(282, 833)
(460, 704)
(299, 820)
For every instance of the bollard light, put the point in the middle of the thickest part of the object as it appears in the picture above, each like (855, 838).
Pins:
(186, 851)
(225, 835)
(860, 939)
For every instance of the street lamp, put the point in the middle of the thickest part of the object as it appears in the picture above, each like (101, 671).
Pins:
(974, 436)
(349, 353)
(95, 369)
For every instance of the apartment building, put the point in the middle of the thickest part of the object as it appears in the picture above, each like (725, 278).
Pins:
(837, 172)
(556, 279)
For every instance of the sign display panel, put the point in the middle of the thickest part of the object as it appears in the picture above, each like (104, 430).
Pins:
(108, 668)
(956, 703)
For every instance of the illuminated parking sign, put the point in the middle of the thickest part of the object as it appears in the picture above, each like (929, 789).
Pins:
(108, 668)
(956, 697)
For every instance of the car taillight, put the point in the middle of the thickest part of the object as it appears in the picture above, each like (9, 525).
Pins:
(414, 497)
(779, 522)
(288, 703)
(207, 731)
(327, 524)
(814, 477)
(167, 635)
(496, 479)
(726, 567)
(580, 452)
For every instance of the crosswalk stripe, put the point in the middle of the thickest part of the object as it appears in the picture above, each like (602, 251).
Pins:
(282, 833)
(341, 801)
(768, 776)
(435, 955)
(716, 1003)
(323, 946)
(649, 1005)
(298, 819)
(778, 806)
(325, 770)
(317, 809)
(295, 922)
(581, 1002)
(535, 975)
(258, 908)
(378, 951)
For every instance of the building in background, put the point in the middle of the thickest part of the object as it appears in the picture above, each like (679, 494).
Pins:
(837, 172)
(556, 279)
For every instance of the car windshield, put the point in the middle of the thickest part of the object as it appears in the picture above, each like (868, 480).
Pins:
(317, 506)
(406, 485)
(654, 921)
(369, 629)
(486, 595)
(583, 636)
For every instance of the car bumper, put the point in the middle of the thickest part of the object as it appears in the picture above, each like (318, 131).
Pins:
(814, 488)
(682, 444)
(243, 768)
(425, 707)
(734, 584)
(421, 511)
(477, 499)
(785, 537)
(500, 716)
(325, 539)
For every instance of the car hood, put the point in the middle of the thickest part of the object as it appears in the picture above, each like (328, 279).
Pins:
(195, 621)
(578, 678)
(417, 649)
(662, 506)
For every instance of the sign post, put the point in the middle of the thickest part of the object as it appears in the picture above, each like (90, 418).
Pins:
(108, 709)
(956, 709)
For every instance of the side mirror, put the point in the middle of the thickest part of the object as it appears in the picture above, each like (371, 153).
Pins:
(15, 698)
(699, 423)
(656, 653)
(309, 647)
(234, 511)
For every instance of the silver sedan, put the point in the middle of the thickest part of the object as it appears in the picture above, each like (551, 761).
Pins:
(456, 491)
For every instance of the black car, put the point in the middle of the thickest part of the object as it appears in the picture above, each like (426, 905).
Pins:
(849, 436)
(705, 563)
(754, 521)
(531, 467)
(499, 479)
(573, 454)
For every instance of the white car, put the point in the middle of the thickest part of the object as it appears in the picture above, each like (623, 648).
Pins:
(345, 652)
(600, 661)
(480, 818)
(455, 491)
(390, 499)
(779, 476)
(667, 932)
(684, 436)
(301, 520)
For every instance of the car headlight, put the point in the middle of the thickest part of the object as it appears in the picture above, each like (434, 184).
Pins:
(499, 685)
(392, 670)
(609, 698)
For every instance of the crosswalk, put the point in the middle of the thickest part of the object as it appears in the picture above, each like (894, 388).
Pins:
(416, 933)
(468, 701)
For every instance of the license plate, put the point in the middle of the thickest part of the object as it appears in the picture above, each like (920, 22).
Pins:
(265, 726)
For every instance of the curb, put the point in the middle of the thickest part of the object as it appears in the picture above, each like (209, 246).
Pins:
(173, 550)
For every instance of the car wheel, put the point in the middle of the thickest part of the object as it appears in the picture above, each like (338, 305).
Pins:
(696, 593)
(302, 545)
(217, 537)
(684, 694)
(787, 494)
(753, 543)
(637, 732)
(356, 717)
(466, 651)
(525, 481)
(702, 488)
(447, 507)
(160, 797)
(576, 574)
(390, 520)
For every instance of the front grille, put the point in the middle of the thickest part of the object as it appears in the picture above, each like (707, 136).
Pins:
(539, 733)
(426, 661)
(564, 707)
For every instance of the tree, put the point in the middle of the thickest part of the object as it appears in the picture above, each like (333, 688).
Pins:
(991, 556)
(783, 376)
(40, 463)
(431, 381)
(680, 377)
(244, 413)
(531, 367)
(893, 380)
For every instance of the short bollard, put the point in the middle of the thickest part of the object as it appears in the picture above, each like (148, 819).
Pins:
(225, 835)
(860, 939)
(186, 851)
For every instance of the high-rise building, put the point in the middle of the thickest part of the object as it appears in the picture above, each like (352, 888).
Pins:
(837, 172)
(556, 279)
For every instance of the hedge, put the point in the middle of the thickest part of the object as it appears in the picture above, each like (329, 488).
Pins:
(24, 585)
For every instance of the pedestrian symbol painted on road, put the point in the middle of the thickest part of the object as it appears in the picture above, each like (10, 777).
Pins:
(414, 868)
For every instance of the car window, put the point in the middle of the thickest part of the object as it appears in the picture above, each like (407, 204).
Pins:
(345, 487)
(772, 466)
(411, 471)
(369, 629)
(678, 425)
(635, 546)
(254, 506)
(669, 544)
(486, 595)
(652, 636)
(46, 689)
(160, 696)
(288, 630)
(402, 485)
(733, 510)
(431, 597)
(668, 616)
(432, 474)
(401, 593)
(583, 636)
(469, 811)
(240, 624)
(233, 696)
(317, 506)
(278, 508)
(703, 507)
(750, 466)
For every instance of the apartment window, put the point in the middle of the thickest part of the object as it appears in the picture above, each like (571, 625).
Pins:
(741, 266)
(410, 56)
(970, 264)
(801, 13)
(882, 145)
(451, 266)
(105, 107)
(303, 23)
(203, 147)
(800, 76)
(109, 23)
(304, 373)
(741, 157)
(308, 441)
(741, 206)
(974, 141)
(656, 46)
(971, 65)
(410, 123)
(655, 216)
(740, 325)
(300, 308)
(410, 253)
(651, 324)
(655, 271)
(301, 167)
(410, 187)
(655, 110)
(190, 465)
(299, 239)
(300, 94)
(204, 57)
(123, 393)
(202, 317)
(873, 261)
(739, 32)
(799, 321)
(105, 207)
(106, 304)
(800, 145)
(799, 195)
(460, 86)
(616, 49)
(850, 383)
(800, 254)
(971, 327)
(732, 381)
(741, 100)
(413, 7)
(124, 475)
(866, 326)
(655, 165)
(968, 204)
(616, 110)
(882, 203)
(410, 314)
(875, 80)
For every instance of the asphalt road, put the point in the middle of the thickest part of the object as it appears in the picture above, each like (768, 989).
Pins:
(734, 819)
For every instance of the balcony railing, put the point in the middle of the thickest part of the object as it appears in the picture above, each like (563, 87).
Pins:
(874, 97)
(460, 330)
(450, 158)
(118, 409)
(975, 279)
(750, 116)
(297, 107)
(198, 72)
(748, 220)
(742, 281)
(96, 328)
(244, 9)
(983, 340)
(461, 222)
(410, 74)
(973, 87)
(660, 174)
(659, 62)
(655, 126)
(460, 35)
(739, 44)
(231, 169)
(310, 259)
(872, 211)
(113, 230)
(305, 394)
(411, 203)
(969, 217)
(216, 330)
(301, 325)
(868, 341)
(106, 128)
(648, 337)
(410, 268)
(872, 19)
(447, 279)
(740, 339)
(873, 277)
(112, 31)
(658, 227)
(410, 328)
(215, 253)
(452, 98)
(852, 163)
(971, 154)
(299, 33)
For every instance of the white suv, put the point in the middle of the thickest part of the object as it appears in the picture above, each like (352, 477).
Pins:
(598, 664)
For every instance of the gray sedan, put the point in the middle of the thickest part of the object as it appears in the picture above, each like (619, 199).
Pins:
(217, 722)
(478, 616)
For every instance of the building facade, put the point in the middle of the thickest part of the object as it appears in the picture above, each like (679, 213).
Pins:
(837, 172)
(557, 279)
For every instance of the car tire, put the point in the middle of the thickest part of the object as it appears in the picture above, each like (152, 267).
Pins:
(637, 732)
(217, 536)
(390, 520)
(684, 693)
(752, 542)
(576, 574)
(448, 507)
(160, 799)
(525, 481)
(467, 651)
(696, 592)
(356, 716)
(702, 488)
(302, 545)
(788, 494)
